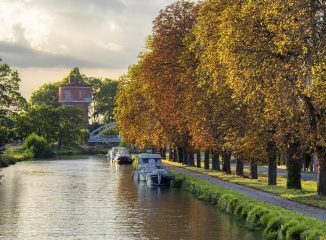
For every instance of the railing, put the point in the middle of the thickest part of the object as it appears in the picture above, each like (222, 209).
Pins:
(104, 139)
(99, 136)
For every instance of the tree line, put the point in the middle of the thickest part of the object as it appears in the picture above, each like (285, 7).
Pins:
(42, 117)
(242, 78)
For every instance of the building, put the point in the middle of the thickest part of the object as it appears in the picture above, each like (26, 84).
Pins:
(77, 95)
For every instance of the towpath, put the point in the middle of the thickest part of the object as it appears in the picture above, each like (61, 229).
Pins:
(260, 195)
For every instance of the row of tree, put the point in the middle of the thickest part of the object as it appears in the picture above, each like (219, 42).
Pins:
(243, 78)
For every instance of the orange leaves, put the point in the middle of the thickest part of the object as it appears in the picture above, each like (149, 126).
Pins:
(228, 75)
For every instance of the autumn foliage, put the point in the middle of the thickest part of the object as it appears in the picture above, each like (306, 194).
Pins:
(242, 78)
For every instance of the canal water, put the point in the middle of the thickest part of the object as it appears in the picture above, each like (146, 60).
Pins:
(94, 199)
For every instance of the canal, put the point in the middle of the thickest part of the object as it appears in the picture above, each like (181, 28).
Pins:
(93, 199)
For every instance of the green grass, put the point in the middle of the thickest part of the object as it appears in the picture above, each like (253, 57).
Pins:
(275, 222)
(307, 195)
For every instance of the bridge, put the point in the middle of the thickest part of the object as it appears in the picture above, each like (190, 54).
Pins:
(99, 135)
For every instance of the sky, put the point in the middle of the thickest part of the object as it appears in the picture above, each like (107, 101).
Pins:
(44, 39)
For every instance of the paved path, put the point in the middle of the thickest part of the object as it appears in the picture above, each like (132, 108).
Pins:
(283, 172)
(260, 195)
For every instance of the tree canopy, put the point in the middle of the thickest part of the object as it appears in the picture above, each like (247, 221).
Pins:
(11, 101)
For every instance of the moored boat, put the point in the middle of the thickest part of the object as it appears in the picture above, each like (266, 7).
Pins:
(151, 170)
(160, 176)
(123, 159)
(120, 155)
(115, 151)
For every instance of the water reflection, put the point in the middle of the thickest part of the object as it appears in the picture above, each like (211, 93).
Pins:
(93, 199)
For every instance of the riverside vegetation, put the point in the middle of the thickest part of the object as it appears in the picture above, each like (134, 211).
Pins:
(45, 127)
(275, 222)
(306, 195)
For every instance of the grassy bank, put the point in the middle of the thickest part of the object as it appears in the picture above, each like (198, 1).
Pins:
(307, 195)
(275, 222)
(14, 154)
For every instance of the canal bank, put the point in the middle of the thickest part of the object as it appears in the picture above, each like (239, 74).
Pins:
(94, 199)
(276, 222)
(14, 153)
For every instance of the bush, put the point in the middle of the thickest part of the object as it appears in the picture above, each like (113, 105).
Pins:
(38, 146)
(3, 163)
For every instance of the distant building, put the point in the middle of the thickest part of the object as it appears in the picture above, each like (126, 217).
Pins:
(77, 95)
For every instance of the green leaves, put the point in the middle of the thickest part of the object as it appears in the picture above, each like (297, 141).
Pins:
(10, 98)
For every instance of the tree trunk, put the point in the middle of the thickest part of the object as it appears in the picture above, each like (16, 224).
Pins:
(191, 158)
(164, 153)
(175, 155)
(180, 154)
(272, 163)
(294, 163)
(185, 156)
(306, 161)
(206, 160)
(315, 125)
(253, 170)
(59, 144)
(311, 165)
(198, 160)
(321, 177)
(216, 161)
(239, 167)
(226, 162)
(170, 154)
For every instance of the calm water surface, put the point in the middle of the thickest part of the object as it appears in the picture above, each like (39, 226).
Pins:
(93, 199)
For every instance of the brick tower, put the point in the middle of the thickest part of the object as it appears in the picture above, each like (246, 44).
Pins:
(77, 95)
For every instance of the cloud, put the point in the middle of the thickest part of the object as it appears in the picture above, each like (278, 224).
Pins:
(111, 46)
(24, 56)
(92, 34)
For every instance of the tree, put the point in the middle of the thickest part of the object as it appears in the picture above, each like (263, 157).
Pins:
(136, 121)
(104, 99)
(41, 120)
(11, 101)
(4, 135)
(70, 125)
(163, 68)
(218, 114)
(48, 95)
(299, 36)
(63, 125)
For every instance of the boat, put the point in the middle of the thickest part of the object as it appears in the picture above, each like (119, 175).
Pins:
(151, 170)
(120, 155)
(123, 159)
(113, 152)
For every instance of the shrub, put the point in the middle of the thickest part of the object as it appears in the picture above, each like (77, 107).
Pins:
(38, 146)
(4, 163)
